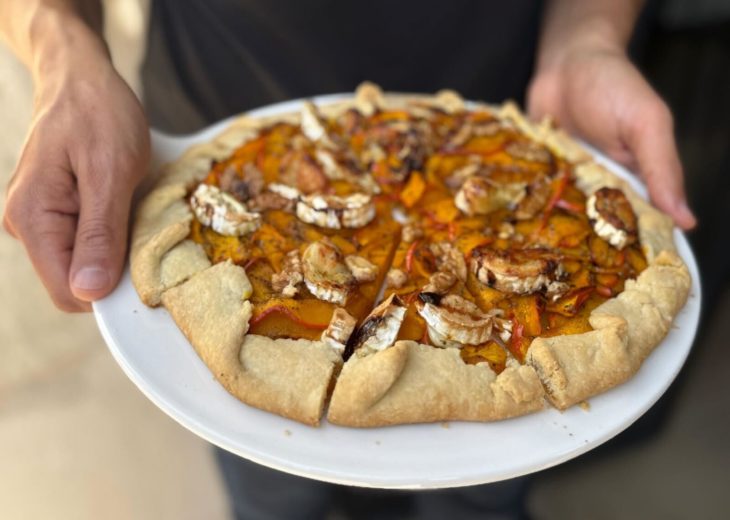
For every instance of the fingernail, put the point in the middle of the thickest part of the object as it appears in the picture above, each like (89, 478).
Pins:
(91, 279)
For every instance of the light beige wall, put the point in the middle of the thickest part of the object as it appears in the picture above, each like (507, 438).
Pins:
(77, 440)
(125, 24)
(28, 318)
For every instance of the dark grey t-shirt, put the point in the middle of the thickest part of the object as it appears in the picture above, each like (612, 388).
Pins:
(208, 59)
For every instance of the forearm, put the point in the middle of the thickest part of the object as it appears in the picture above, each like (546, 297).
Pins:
(570, 25)
(47, 33)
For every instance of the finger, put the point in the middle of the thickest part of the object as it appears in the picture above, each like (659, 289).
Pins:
(49, 242)
(544, 96)
(101, 234)
(651, 140)
(8, 226)
(41, 213)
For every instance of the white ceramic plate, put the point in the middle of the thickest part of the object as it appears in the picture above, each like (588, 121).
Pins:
(158, 359)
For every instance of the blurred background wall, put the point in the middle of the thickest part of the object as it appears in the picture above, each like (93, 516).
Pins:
(79, 441)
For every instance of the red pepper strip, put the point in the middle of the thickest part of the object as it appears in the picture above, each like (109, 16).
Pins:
(452, 231)
(571, 303)
(410, 298)
(251, 261)
(425, 339)
(409, 255)
(382, 172)
(433, 223)
(517, 331)
(562, 183)
(290, 314)
(604, 291)
(570, 206)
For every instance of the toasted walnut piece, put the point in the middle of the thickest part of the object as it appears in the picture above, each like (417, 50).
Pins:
(449, 259)
(537, 194)
(458, 176)
(290, 277)
(226, 179)
(361, 268)
(269, 200)
(339, 330)
(506, 230)
(351, 121)
(299, 169)
(325, 273)
(243, 187)
(440, 282)
(299, 142)
(372, 153)
(612, 217)
(330, 166)
(396, 278)
(253, 177)
(343, 167)
(310, 176)
(411, 232)
(240, 190)
(413, 153)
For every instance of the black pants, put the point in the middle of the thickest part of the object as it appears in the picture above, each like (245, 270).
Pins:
(260, 493)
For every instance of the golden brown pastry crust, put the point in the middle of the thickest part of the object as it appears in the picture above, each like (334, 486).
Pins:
(163, 220)
(409, 382)
(287, 377)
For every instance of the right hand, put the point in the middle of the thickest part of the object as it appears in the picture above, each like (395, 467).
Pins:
(69, 199)
(600, 95)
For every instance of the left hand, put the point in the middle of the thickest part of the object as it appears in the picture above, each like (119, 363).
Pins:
(600, 96)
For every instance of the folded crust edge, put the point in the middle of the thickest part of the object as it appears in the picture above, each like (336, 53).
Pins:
(287, 377)
(414, 383)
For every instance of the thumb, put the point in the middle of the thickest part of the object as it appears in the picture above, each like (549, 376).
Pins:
(651, 141)
(100, 243)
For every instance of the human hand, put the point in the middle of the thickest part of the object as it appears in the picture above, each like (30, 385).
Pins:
(69, 199)
(598, 94)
